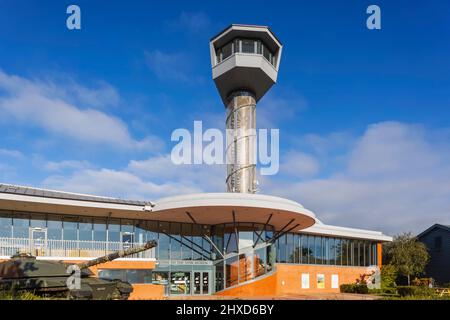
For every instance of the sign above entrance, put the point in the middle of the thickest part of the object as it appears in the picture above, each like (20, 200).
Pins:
(186, 262)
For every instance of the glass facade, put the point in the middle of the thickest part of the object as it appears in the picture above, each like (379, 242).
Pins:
(321, 250)
(250, 46)
(129, 275)
(242, 252)
(176, 241)
(189, 255)
(181, 241)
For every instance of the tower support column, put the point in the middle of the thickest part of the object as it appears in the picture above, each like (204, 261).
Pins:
(241, 142)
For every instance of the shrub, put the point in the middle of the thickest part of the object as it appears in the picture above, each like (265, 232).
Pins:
(390, 291)
(354, 288)
(410, 291)
(346, 288)
(384, 291)
(404, 291)
(362, 288)
(376, 291)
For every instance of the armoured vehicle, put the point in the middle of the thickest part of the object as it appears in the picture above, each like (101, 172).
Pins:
(25, 273)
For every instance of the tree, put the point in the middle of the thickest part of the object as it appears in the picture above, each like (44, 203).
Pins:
(407, 255)
(388, 276)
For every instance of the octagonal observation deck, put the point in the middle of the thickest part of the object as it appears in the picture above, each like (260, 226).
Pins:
(245, 57)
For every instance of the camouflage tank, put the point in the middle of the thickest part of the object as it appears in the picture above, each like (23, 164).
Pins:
(25, 273)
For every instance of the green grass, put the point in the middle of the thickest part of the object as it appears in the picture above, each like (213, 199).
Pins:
(20, 296)
(407, 293)
(416, 298)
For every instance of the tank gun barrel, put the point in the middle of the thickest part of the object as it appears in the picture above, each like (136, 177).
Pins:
(118, 254)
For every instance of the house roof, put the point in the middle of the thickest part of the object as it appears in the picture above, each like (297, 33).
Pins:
(246, 26)
(37, 192)
(434, 226)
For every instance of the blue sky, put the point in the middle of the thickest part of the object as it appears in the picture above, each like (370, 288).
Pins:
(364, 115)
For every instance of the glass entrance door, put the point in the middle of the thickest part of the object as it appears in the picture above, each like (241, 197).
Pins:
(197, 283)
(180, 283)
(205, 282)
(201, 282)
(38, 241)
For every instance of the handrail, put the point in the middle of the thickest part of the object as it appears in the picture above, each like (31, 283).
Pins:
(67, 248)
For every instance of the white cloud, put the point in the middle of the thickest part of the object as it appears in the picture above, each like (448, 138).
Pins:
(45, 105)
(120, 184)
(204, 177)
(192, 22)
(148, 179)
(274, 108)
(299, 165)
(395, 180)
(172, 66)
(392, 148)
(101, 96)
(11, 153)
(114, 183)
(66, 165)
(326, 144)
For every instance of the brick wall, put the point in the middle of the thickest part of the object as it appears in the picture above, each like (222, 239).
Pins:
(287, 280)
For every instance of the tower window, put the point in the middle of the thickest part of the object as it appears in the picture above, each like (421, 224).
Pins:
(248, 46)
(227, 51)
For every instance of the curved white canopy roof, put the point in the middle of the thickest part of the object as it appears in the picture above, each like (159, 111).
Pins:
(205, 208)
(217, 208)
(334, 231)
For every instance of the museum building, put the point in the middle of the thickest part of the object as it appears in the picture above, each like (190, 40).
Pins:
(238, 243)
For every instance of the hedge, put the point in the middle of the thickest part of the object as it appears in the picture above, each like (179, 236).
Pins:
(409, 291)
(354, 288)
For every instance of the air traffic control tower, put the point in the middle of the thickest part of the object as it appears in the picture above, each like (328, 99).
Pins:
(245, 61)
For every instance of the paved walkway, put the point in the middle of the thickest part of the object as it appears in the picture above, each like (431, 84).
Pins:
(325, 296)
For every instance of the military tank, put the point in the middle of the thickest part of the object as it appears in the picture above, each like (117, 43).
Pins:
(25, 273)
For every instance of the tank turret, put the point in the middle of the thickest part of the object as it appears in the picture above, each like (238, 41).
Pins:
(23, 272)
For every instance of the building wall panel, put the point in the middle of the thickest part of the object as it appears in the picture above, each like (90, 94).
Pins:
(287, 278)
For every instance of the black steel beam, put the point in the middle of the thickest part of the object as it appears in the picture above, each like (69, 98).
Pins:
(283, 233)
(196, 251)
(282, 229)
(191, 217)
(264, 229)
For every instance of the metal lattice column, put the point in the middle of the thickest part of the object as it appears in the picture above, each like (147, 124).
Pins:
(241, 142)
